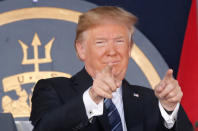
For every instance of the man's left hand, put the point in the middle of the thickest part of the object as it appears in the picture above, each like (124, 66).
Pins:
(168, 91)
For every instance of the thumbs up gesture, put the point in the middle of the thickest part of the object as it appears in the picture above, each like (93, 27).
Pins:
(168, 91)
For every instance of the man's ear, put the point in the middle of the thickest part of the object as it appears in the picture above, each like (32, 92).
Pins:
(80, 48)
(130, 48)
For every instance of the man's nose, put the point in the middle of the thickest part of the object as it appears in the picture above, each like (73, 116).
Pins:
(111, 49)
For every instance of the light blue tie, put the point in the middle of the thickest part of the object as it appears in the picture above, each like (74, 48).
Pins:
(113, 115)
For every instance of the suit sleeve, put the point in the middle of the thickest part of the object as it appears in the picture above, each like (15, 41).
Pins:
(49, 113)
(182, 122)
(153, 118)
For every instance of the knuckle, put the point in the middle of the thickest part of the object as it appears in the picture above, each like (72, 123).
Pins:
(96, 92)
(174, 99)
(105, 96)
(172, 94)
(177, 85)
(93, 88)
(96, 82)
(180, 95)
(114, 88)
(108, 96)
(160, 95)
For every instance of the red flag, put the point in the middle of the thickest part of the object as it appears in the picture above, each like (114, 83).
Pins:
(188, 68)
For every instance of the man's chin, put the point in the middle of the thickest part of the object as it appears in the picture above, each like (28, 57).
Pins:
(119, 75)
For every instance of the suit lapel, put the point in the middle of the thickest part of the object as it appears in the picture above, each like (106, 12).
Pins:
(133, 109)
(81, 82)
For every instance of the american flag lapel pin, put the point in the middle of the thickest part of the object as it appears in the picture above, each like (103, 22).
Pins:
(136, 95)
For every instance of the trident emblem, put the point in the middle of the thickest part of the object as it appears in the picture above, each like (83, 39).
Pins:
(36, 61)
(21, 106)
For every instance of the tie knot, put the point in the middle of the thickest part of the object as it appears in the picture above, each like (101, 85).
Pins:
(108, 103)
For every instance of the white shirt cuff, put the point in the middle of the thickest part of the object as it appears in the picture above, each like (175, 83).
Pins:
(169, 120)
(92, 109)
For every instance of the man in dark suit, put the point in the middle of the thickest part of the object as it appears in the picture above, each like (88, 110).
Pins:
(98, 98)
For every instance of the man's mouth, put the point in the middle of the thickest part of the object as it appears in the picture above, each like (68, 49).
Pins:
(111, 63)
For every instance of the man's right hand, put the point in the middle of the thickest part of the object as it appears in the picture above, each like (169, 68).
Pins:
(104, 85)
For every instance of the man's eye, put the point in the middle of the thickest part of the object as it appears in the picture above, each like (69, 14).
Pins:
(100, 43)
(120, 42)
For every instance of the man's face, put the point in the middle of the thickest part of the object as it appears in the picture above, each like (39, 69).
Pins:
(106, 44)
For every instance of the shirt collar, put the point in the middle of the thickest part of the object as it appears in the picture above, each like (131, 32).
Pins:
(118, 92)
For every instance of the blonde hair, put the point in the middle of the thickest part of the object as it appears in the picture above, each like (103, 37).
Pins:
(96, 16)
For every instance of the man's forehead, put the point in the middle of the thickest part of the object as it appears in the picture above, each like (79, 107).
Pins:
(116, 36)
(101, 31)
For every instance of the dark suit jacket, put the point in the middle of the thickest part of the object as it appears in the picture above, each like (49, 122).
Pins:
(57, 105)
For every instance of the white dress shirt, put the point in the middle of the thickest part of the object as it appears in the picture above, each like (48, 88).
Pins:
(93, 109)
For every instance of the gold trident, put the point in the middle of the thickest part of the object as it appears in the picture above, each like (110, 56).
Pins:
(20, 107)
(36, 60)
